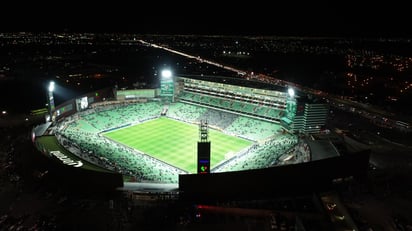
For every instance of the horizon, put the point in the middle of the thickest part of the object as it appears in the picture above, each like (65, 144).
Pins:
(289, 19)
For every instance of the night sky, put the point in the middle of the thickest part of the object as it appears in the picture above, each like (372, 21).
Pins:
(343, 18)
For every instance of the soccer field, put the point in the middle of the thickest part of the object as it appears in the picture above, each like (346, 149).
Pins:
(175, 142)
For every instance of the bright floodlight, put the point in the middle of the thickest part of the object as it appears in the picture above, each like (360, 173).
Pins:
(51, 86)
(166, 74)
(291, 92)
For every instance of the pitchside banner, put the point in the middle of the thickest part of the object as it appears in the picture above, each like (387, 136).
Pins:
(166, 87)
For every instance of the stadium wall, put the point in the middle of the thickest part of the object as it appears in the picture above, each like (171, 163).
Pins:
(286, 180)
(82, 180)
(65, 109)
(68, 107)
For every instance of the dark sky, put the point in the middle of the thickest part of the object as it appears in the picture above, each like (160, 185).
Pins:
(389, 19)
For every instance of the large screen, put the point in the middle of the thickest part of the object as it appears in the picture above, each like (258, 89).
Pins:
(203, 157)
(84, 103)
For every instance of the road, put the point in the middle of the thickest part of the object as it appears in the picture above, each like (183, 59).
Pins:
(390, 119)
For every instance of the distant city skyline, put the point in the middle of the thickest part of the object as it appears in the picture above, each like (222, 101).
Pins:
(292, 18)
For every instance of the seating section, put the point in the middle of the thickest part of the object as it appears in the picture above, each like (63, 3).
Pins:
(116, 116)
(80, 133)
(218, 119)
(272, 114)
(252, 129)
(185, 112)
(260, 156)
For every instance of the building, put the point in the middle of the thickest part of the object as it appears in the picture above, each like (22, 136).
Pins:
(305, 114)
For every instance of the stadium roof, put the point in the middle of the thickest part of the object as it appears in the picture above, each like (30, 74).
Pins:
(239, 81)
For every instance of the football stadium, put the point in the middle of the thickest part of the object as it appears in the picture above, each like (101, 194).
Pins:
(191, 129)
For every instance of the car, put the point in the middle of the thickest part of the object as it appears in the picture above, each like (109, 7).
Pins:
(330, 206)
(340, 217)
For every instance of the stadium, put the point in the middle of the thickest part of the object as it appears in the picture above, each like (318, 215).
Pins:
(154, 136)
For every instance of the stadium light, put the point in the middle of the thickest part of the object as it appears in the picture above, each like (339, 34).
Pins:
(166, 74)
(51, 86)
(50, 100)
(291, 92)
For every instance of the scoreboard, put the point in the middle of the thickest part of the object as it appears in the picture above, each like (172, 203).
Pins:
(203, 157)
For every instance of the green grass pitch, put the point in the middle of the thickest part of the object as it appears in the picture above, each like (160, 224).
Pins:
(175, 142)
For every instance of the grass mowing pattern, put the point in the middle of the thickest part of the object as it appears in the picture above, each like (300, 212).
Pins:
(175, 142)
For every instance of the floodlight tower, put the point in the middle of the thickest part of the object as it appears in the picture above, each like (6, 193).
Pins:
(291, 92)
(291, 104)
(167, 85)
(50, 100)
(166, 74)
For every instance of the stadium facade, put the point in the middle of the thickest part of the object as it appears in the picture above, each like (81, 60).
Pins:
(264, 122)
